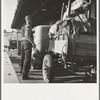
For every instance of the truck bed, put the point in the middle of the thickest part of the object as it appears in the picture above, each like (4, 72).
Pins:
(85, 45)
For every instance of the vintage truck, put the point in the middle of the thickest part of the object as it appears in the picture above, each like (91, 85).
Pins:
(73, 52)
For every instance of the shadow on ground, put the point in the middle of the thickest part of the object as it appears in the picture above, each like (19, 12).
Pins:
(15, 60)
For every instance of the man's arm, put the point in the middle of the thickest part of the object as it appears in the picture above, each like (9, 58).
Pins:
(28, 32)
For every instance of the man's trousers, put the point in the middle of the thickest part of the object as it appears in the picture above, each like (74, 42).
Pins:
(26, 49)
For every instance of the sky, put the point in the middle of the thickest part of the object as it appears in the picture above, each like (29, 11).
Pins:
(8, 11)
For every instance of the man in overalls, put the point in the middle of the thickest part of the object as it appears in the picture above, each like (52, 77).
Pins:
(26, 47)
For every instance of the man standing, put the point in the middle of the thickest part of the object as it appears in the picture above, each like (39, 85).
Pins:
(26, 47)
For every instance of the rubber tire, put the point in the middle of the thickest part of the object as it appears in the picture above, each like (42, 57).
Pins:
(47, 69)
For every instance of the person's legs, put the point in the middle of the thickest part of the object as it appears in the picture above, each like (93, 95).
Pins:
(27, 63)
(27, 60)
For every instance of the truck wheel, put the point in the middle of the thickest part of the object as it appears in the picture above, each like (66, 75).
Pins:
(47, 69)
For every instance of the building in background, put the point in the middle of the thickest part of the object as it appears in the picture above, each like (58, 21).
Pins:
(12, 39)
